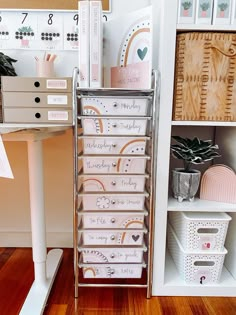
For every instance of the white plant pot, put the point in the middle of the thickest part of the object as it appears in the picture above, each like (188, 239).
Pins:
(185, 185)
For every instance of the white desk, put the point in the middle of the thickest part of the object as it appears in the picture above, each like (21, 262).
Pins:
(45, 265)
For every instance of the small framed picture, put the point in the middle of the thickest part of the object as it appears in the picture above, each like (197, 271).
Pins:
(233, 12)
(222, 11)
(186, 11)
(204, 11)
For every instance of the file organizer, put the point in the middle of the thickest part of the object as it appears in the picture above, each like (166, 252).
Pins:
(115, 141)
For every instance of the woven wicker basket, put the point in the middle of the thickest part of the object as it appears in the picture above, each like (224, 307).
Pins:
(205, 85)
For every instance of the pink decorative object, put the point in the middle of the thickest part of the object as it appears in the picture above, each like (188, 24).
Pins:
(219, 184)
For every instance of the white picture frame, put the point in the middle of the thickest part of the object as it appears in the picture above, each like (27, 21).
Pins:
(222, 12)
(233, 12)
(186, 11)
(204, 11)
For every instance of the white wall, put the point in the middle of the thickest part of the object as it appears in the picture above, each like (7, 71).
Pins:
(58, 164)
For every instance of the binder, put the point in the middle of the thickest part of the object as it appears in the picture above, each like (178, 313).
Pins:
(84, 29)
(96, 42)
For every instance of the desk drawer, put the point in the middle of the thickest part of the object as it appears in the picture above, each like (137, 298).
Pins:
(36, 84)
(37, 115)
(36, 99)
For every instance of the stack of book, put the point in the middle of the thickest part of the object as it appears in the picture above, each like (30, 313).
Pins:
(126, 57)
(90, 44)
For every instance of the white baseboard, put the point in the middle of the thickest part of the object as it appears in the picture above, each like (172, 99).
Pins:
(23, 239)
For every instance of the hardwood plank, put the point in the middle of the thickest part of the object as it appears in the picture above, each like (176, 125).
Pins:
(17, 275)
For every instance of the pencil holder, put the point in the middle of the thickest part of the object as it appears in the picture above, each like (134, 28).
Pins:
(45, 68)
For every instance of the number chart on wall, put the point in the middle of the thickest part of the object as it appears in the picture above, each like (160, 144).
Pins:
(39, 30)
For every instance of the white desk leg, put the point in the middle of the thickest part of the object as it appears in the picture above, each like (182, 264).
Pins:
(45, 266)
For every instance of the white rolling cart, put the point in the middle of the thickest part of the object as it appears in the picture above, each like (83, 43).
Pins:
(115, 158)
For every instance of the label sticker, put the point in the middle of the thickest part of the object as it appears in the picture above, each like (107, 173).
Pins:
(58, 115)
(57, 99)
(56, 84)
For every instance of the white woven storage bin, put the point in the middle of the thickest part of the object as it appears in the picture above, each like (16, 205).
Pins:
(204, 231)
(195, 267)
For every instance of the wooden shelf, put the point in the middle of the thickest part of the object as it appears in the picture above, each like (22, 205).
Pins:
(200, 205)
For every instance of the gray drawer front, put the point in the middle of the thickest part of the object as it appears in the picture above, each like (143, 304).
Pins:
(37, 115)
(34, 84)
(28, 99)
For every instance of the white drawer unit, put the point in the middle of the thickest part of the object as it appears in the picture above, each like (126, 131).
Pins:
(113, 145)
(128, 106)
(112, 183)
(114, 164)
(114, 126)
(107, 271)
(115, 160)
(113, 236)
(112, 202)
(114, 254)
(106, 220)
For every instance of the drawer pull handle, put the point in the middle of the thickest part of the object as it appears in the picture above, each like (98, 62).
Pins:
(113, 237)
(112, 256)
(37, 115)
(37, 99)
(113, 202)
(113, 145)
(112, 271)
(113, 220)
(113, 183)
(115, 104)
(114, 125)
(114, 164)
(36, 84)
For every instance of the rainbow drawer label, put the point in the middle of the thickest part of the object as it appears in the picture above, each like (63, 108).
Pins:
(114, 165)
(114, 255)
(114, 106)
(116, 126)
(112, 271)
(112, 237)
(103, 220)
(134, 183)
(112, 201)
(114, 145)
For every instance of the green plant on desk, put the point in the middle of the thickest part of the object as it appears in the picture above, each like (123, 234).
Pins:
(6, 67)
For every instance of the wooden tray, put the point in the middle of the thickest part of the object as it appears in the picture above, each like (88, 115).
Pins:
(205, 87)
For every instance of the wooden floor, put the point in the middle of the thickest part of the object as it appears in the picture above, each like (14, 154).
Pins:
(16, 276)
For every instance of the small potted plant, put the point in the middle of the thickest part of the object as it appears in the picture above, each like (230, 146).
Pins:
(185, 181)
(204, 6)
(222, 7)
(186, 6)
(6, 67)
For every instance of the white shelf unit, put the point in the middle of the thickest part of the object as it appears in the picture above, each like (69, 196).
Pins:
(105, 115)
(166, 279)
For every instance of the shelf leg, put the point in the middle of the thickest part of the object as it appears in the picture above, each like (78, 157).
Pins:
(45, 265)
